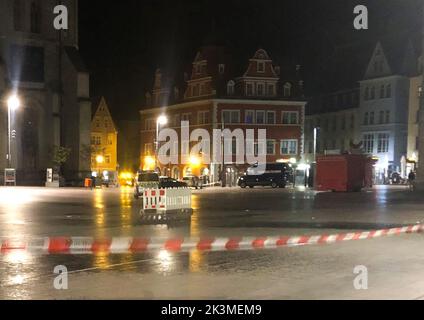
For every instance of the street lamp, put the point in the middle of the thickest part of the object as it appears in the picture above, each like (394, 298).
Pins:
(100, 159)
(160, 121)
(13, 103)
(314, 163)
(315, 143)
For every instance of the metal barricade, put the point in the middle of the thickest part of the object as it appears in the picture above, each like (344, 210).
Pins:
(164, 205)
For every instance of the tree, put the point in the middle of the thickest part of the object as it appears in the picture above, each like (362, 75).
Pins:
(60, 155)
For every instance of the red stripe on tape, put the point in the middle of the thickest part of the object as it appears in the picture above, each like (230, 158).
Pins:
(282, 241)
(101, 246)
(173, 244)
(233, 244)
(259, 243)
(139, 245)
(59, 245)
(205, 244)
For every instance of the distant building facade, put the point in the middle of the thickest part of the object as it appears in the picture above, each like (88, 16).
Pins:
(218, 97)
(104, 140)
(381, 118)
(43, 67)
(335, 122)
(384, 103)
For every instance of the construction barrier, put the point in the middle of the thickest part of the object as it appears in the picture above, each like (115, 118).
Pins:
(163, 205)
(119, 245)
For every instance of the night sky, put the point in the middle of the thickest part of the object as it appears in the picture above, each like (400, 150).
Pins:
(123, 43)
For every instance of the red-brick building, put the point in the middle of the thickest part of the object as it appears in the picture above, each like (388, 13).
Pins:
(218, 96)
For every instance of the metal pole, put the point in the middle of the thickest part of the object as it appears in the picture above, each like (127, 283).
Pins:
(315, 144)
(223, 172)
(314, 164)
(9, 162)
(157, 144)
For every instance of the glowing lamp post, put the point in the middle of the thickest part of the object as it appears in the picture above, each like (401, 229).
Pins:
(13, 104)
(160, 121)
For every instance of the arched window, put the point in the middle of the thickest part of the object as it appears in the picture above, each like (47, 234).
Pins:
(388, 91)
(18, 13)
(35, 17)
(230, 88)
(287, 89)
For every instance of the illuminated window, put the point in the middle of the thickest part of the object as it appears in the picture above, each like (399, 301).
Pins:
(289, 147)
(383, 143)
(368, 141)
(270, 147)
(291, 117)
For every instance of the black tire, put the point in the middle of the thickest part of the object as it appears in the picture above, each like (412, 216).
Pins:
(243, 185)
(274, 185)
(251, 187)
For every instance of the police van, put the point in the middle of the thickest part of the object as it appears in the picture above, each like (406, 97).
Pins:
(275, 175)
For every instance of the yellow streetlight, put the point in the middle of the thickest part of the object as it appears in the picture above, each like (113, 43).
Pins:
(194, 161)
(100, 159)
(160, 121)
(149, 163)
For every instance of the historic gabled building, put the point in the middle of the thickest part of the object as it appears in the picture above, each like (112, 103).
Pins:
(104, 140)
(216, 96)
(260, 78)
(384, 100)
(43, 67)
(382, 103)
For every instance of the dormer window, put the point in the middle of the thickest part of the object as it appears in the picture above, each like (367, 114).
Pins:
(230, 88)
(260, 89)
(287, 89)
(261, 66)
(221, 68)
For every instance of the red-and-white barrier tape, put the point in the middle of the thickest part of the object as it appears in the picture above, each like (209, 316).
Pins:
(85, 245)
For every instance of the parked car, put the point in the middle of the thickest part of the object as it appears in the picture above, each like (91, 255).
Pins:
(193, 182)
(151, 180)
(274, 175)
(145, 180)
(166, 182)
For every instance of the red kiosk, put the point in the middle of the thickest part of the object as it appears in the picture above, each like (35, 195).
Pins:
(344, 173)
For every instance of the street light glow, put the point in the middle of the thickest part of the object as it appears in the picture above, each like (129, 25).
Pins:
(194, 161)
(13, 102)
(162, 120)
(100, 159)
